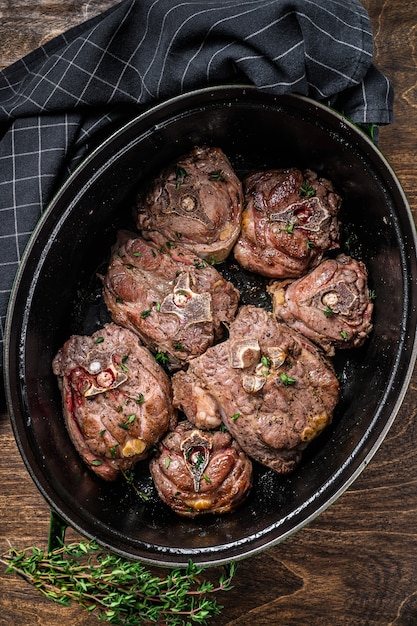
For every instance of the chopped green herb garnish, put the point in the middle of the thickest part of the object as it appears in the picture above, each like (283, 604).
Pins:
(195, 460)
(167, 462)
(161, 357)
(200, 263)
(96, 462)
(235, 416)
(113, 450)
(180, 174)
(99, 340)
(140, 399)
(123, 363)
(344, 335)
(287, 380)
(218, 176)
(307, 191)
(145, 313)
(328, 311)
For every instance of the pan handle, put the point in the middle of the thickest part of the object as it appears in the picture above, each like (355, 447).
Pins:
(57, 528)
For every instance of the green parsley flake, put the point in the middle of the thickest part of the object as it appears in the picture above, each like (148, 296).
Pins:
(287, 380)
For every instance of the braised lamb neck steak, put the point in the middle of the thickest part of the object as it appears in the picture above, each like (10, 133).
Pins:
(198, 471)
(196, 201)
(176, 302)
(117, 400)
(331, 305)
(272, 388)
(290, 220)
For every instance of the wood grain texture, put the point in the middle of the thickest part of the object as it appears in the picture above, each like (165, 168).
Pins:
(356, 563)
(26, 25)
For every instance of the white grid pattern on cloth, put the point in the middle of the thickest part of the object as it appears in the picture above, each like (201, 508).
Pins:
(59, 101)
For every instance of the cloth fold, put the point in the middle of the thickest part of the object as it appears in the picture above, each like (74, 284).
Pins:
(61, 100)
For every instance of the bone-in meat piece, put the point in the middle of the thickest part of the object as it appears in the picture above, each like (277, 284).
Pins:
(117, 400)
(196, 201)
(331, 305)
(197, 471)
(289, 222)
(175, 301)
(271, 387)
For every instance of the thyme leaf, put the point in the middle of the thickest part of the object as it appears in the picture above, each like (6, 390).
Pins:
(180, 174)
(306, 190)
(162, 358)
(344, 335)
(287, 380)
(217, 175)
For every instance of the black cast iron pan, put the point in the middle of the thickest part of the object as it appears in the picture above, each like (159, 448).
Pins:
(57, 293)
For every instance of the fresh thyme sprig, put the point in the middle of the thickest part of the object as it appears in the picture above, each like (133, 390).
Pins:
(118, 590)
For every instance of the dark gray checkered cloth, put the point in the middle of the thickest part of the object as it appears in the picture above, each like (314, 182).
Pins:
(58, 102)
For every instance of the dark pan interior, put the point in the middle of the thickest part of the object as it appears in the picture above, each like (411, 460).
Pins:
(57, 293)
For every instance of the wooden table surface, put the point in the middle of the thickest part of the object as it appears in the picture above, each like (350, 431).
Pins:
(357, 563)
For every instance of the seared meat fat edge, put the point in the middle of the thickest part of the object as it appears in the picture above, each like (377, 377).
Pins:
(271, 387)
(196, 201)
(176, 302)
(198, 471)
(117, 400)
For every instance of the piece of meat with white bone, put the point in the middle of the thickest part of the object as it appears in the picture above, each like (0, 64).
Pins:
(290, 220)
(196, 201)
(175, 301)
(272, 388)
(117, 400)
(198, 471)
(331, 305)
